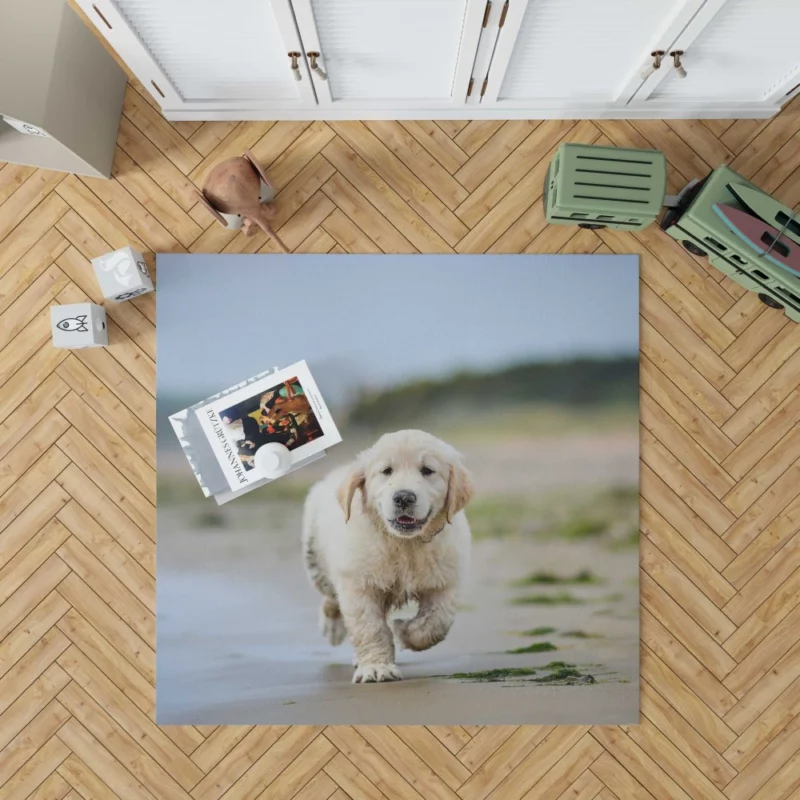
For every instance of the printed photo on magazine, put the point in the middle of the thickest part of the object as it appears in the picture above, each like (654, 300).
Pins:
(284, 407)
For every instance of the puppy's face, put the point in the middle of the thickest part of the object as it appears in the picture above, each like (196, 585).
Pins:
(412, 484)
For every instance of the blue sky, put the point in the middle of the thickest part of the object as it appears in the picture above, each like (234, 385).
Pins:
(382, 320)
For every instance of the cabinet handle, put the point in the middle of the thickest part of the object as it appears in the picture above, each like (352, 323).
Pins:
(317, 69)
(295, 66)
(676, 60)
(657, 55)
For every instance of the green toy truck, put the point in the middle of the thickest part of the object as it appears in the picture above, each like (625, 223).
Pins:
(702, 232)
(609, 187)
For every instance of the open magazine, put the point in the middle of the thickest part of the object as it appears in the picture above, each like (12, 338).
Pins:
(220, 435)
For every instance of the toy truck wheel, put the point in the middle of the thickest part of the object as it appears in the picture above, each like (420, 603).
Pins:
(592, 226)
(693, 249)
(769, 301)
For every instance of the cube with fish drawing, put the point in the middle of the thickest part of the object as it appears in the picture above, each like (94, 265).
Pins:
(78, 325)
(122, 274)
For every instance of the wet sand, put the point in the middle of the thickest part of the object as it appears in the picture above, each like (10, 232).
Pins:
(238, 640)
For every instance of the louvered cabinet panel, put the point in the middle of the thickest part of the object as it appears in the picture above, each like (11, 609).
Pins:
(748, 52)
(213, 49)
(437, 59)
(581, 49)
(231, 52)
(390, 51)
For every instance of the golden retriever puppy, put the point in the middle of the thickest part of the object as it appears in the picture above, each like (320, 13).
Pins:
(382, 531)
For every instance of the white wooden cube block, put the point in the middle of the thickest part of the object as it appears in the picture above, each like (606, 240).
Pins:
(78, 325)
(122, 274)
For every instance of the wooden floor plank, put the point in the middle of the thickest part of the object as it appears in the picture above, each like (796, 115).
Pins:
(437, 143)
(283, 161)
(511, 171)
(720, 474)
(761, 587)
(426, 168)
(684, 736)
(392, 199)
(491, 154)
(12, 176)
(683, 555)
(160, 132)
(96, 723)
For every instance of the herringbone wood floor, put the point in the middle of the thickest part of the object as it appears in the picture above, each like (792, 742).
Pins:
(720, 466)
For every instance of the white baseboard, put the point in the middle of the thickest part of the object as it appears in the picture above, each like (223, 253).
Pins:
(751, 111)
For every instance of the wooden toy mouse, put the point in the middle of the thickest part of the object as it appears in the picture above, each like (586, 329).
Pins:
(235, 193)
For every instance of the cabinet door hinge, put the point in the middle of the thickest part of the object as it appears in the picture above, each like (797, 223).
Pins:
(503, 15)
(483, 88)
(469, 88)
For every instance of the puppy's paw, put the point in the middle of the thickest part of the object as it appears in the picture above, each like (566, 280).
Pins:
(333, 629)
(376, 673)
(416, 634)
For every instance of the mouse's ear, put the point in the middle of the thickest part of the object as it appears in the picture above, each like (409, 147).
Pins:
(257, 167)
(211, 210)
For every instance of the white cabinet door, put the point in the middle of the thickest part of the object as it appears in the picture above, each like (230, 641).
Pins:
(579, 54)
(208, 54)
(390, 54)
(740, 51)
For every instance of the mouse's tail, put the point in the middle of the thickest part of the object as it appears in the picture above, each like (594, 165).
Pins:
(270, 231)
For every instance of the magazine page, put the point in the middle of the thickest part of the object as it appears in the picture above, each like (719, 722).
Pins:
(284, 407)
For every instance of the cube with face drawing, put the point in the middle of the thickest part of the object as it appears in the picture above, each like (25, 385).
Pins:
(122, 274)
(78, 325)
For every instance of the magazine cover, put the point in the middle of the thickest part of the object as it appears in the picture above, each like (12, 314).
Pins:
(284, 407)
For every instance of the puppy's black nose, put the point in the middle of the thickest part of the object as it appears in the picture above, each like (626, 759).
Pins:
(404, 498)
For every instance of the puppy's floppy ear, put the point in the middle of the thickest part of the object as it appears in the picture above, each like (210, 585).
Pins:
(356, 479)
(459, 490)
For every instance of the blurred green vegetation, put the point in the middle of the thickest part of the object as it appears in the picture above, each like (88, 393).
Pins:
(629, 540)
(583, 527)
(558, 599)
(558, 672)
(581, 635)
(209, 519)
(557, 392)
(609, 516)
(544, 577)
(493, 674)
(179, 489)
(543, 631)
(578, 384)
(565, 674)
(536, 647)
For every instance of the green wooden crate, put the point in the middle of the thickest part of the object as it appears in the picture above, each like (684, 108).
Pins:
(605, 187)
(702, 232)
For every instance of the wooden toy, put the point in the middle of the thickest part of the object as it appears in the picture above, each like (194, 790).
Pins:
(78, 325)
(605, 187)
(237, 193)
(763, 238)
(122, 274)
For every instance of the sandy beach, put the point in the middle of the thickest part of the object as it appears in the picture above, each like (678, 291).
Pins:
(237, 618)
